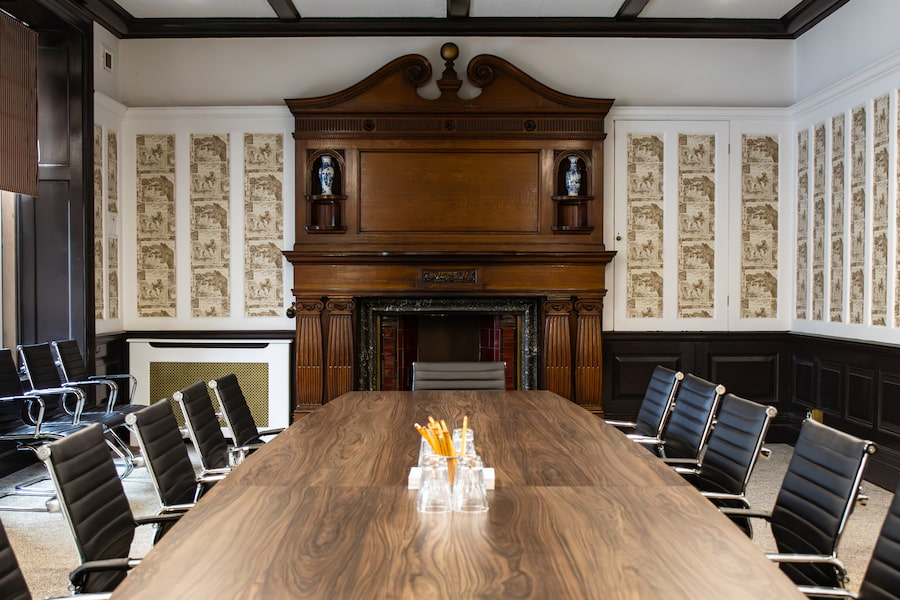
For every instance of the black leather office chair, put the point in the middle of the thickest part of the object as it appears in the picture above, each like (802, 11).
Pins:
(74, 372)
(882, 578)
(96, 508)
(42, 372)
(236, 412)
(655, 408)
(12, 582)
(203, 427)
(691, 420)
(167, 459)
(734, 446)
(458, 375)
(27, 435)
(815, 500)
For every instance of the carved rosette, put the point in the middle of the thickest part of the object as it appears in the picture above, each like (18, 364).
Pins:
(588, 352)
(558, 346)
(309, 350)
(340, 347)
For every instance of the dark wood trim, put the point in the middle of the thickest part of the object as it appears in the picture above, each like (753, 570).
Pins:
(630, 9)
(626, 24)
(458, 8)
(807, 14)
(285, 10)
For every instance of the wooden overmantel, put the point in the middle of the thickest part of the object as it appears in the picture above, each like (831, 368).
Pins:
(449, 197)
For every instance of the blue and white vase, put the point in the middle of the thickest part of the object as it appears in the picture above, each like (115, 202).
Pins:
(573, 177)
(326, 175)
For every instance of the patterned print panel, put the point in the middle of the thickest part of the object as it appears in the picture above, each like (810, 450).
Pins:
(99, 271)
(857, 214)
(112, 210)
(156, 225)
(645, 226)
(818, 221)
(802, 303)
(880, 223)
(210, 239)
(838, 192)
(696, 225)
(759, 224)
(263, 224)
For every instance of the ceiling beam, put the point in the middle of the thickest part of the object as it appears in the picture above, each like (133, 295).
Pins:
(470, 26)
(630, 9)
(807, 14)
(285, 10)
(458, 8)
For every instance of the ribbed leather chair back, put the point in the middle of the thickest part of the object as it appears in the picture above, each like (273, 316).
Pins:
(816, 497)
(882, 579)
(203, 425)
(459, 376)
(71, 362)
(10, 386)
(12, 582)
(92, 499)
(696, 401)
(734, 444)
(37, 359)
(654, 412)
(164, 453)
(235, 410)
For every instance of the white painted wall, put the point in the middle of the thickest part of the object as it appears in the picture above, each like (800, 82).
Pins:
(635, 72)
(854, 37)
(106, 81)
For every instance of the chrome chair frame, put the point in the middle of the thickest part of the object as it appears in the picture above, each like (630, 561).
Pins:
(816, 498)
(655, 408)
(74, 373)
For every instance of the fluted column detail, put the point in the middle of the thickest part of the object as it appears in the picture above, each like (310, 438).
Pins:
(340, 347)
(588, 352)
(309, 350)
(558, 346)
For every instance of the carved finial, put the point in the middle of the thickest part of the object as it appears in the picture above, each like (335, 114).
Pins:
(449, 83)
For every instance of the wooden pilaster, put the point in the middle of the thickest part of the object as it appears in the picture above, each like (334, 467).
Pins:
(589, 353)
(558, 346)
(340, 347)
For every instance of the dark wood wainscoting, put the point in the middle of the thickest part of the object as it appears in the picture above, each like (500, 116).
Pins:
(856, 385)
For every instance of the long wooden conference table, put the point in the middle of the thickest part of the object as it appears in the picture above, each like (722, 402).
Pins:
(579, 511)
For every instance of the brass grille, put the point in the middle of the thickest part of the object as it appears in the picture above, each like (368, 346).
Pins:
(166, 378)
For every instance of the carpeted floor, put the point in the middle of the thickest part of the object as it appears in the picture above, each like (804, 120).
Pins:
(46, 552)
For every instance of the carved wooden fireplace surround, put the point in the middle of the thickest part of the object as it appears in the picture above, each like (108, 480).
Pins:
(449, 198)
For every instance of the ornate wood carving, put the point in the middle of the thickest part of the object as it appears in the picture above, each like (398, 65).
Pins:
(340, 347)
(557, 346)
(309, 351)
(589, 353)
(450, 198)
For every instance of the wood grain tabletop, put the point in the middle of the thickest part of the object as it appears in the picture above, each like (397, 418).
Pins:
(579, 511)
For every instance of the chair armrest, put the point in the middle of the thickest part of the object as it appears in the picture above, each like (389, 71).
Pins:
(805, 558)
(644, 439)
(746, 512)
(213, 475)
(275, 431)
(113, 389)
(132, 388)
(682, 462)
(686, 470)
(623, 424)
(156, 519)
(727, 496)
(80, 398)
(78, 576)
(817, 591)
(220, 471)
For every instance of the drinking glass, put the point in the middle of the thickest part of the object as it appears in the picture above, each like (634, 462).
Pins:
(469, 493)
(470, 440)
(425, 449)
(435, 494)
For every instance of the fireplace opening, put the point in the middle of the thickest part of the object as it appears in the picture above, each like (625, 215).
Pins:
(395, 332)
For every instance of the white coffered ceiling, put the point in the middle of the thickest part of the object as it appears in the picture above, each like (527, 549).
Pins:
(655, 9)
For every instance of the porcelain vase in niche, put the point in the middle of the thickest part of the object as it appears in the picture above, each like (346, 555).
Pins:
(326, 175)
(573, 177)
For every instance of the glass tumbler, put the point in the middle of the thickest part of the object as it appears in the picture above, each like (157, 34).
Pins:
(435, 494)
(469, 492)
(470, 441)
